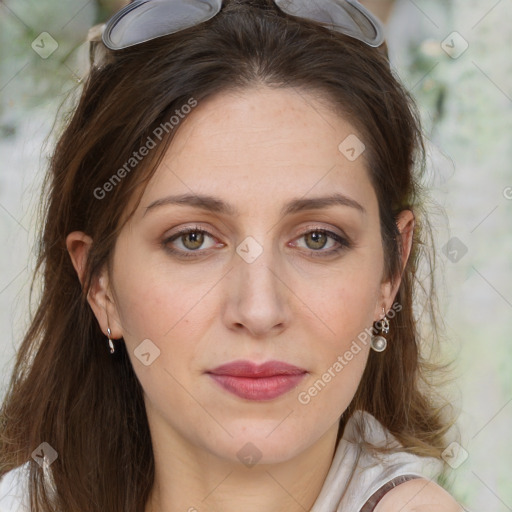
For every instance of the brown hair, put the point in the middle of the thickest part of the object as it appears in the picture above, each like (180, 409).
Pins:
(66, 388)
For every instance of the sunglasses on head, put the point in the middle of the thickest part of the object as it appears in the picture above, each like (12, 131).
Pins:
(144, 20)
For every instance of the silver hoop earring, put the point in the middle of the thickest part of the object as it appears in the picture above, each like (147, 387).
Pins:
(379, 343)
(110, 342)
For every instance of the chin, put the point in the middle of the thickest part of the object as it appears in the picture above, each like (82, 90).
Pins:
(255, 445)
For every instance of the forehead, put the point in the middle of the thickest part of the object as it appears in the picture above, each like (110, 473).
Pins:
(264, 145)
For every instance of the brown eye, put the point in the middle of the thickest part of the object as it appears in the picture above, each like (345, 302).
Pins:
(193, 240)
(318, 240)
(188, 243)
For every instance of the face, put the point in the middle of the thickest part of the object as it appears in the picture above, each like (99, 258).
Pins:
(273, 275)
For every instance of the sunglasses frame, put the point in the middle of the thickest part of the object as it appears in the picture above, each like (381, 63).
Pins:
(112, 23)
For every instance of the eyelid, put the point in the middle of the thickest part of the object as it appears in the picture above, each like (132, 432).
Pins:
(184, 231)
(341, 239)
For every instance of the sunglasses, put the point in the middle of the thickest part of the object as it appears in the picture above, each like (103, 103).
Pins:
(144, 20)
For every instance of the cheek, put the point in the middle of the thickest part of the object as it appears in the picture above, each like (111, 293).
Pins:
(171, 309)
(346, 306)
(153, 298)
(349, 315)
(340, 356)
(347, 299)
(158, 307)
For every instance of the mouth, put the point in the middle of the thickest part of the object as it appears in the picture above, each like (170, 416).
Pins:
(250, 381)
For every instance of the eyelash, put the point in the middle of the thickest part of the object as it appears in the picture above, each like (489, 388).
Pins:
(344, 243)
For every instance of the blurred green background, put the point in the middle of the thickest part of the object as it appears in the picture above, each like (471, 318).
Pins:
(455, 58)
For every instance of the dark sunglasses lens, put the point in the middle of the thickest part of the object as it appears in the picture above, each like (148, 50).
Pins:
(346, 16)
(144, 20)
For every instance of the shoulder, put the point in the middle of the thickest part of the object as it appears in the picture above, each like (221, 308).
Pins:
(375, 472)
(418, 495)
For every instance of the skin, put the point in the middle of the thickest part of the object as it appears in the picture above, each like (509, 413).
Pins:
(256, 149)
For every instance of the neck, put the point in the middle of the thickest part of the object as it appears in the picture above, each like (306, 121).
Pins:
(188, 480)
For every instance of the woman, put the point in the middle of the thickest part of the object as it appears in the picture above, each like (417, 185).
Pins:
(231, 237)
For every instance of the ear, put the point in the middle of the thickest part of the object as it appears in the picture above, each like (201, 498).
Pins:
(99, 296)
(405, 224)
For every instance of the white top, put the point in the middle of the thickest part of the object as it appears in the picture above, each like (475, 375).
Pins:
(13, 496)
(370, 474)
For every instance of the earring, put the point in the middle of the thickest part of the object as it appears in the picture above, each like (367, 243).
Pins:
(110, 342)
(379, 343)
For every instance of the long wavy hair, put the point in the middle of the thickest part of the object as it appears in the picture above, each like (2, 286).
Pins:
(66, 388)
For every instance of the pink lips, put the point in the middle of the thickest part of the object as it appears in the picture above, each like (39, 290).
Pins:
(257, 382)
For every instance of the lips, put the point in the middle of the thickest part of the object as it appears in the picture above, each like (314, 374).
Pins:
(257, 382)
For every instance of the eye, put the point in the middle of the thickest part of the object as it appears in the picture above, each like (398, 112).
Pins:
(191, 240)
(317, 239)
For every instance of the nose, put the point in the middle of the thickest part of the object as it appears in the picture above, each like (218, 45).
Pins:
(258, 298)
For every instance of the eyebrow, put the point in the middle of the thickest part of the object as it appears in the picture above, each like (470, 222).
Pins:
(215, 205)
